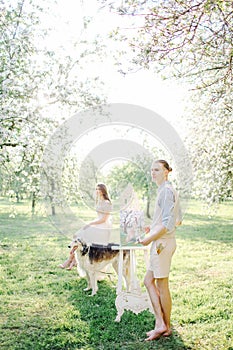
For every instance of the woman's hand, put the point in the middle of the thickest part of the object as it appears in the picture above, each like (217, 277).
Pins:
(86, 226)
(147, 229)
(144, 241)
(178, 223)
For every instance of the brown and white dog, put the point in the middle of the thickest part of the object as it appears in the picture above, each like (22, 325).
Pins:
(92, 261)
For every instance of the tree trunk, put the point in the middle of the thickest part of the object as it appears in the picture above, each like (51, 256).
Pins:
(51, 197)
(148, 208)
(17, 197)
(33, 202)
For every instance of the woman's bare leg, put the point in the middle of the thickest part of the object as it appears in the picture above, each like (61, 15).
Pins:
(160, 325)
(165, 301)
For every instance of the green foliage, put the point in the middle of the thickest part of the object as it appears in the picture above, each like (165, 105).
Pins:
(138, 175)
(44, 307)
(39, 87)
(210, 141)
(191, 41)
(130, 173)
(183, 38)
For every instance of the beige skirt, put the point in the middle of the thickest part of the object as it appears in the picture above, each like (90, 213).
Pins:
(161, 254)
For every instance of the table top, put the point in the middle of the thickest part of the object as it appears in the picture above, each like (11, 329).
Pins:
(130, 247)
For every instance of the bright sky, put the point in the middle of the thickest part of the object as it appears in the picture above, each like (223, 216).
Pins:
(141, 88)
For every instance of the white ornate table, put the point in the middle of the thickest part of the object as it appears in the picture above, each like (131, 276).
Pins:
(134, 299)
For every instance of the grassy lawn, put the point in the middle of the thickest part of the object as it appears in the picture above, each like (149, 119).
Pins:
(44, 307)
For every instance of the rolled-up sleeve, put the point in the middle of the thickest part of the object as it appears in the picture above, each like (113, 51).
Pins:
(166, 203)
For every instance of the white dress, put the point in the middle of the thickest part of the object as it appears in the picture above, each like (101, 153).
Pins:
(99, 233)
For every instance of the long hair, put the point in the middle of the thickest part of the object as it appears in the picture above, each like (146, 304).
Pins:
(104, 191)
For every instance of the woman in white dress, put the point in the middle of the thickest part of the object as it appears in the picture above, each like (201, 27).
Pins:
(97, 231)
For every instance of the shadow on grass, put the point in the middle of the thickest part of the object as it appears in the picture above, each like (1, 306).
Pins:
(99, 313)
(206, 229)
(25, 224)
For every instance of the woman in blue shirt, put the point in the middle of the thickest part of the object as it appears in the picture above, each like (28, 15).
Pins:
(161, 235)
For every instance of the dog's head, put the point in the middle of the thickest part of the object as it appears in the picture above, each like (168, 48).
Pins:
(79, 244)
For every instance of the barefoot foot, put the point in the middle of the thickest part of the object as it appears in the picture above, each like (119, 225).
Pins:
(155, 334)
(168, 333)
(150, 332)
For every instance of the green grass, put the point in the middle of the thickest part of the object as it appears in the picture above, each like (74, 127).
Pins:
(44, 307)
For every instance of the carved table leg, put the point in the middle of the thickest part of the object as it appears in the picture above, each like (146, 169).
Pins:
(134, 300)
